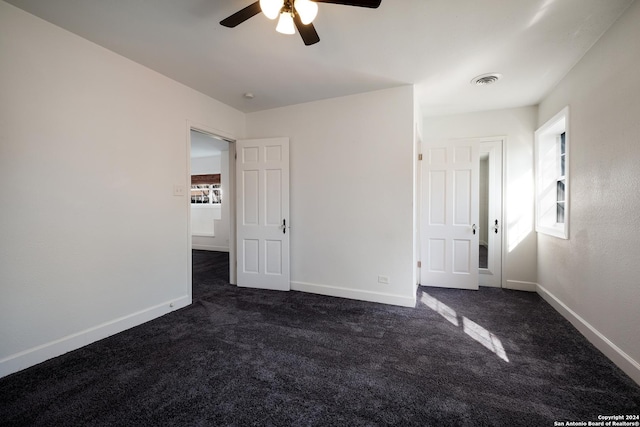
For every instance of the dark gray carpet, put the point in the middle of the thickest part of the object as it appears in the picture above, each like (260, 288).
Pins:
(249, 357)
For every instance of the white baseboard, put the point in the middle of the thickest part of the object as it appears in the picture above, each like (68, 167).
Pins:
(630, 366)
(518, 285)
(210, 248)
(335, 291)
(35, 355)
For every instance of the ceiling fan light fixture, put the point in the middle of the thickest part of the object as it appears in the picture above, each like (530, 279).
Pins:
(271, 8)
(307, 9)
(294, 14)
(285, 24)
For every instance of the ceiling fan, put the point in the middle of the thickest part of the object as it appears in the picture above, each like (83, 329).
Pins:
(292, 12)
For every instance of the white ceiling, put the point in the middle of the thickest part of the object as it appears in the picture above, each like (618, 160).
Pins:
(436, 45)
(203, 145)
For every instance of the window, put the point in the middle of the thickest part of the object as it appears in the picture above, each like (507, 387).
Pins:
(207, 194)
(206, 189)
(552, 176)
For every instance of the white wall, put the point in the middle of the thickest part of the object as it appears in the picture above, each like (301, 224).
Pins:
(351, 193)
(212, 165)
(208, 164)
(91, 145)
(518, 126)
(593, 278)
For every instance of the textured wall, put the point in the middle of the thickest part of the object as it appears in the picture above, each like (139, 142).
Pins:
(596, 273)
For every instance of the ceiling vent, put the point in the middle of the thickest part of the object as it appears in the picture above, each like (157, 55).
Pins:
(486, 79)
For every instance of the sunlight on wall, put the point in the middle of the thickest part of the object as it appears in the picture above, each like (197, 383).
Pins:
(520, 210)
(471, 328)
(544, 8)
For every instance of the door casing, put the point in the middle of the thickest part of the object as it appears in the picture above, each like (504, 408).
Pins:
(492, 275)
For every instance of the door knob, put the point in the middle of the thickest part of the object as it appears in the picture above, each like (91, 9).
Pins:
(495, 227)
(473, 228)
(284, 226)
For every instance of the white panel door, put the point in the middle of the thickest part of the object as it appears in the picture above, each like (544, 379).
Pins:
(450, 188)
(262, 183)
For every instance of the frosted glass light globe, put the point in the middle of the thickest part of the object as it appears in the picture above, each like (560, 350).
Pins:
(307, 10)
(271, 8)
(285, 24)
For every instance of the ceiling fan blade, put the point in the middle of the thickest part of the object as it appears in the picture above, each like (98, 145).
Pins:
(239, 17)
(307, 32)
(360, 3)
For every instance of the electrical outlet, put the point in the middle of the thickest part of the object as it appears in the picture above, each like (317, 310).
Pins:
(179, 190)
(383, 279)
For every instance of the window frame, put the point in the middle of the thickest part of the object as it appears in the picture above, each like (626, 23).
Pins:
(548, 173)
(209, 184)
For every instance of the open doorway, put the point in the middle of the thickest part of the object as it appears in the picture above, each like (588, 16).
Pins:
(211, 231)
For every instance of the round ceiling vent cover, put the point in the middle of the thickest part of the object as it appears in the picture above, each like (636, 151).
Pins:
(486, 79)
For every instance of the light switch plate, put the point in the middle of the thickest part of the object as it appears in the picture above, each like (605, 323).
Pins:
(178, 190)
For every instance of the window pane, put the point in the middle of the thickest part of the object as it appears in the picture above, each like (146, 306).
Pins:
(552, 170)
(560, 191)
(206, 193)
(560, 213)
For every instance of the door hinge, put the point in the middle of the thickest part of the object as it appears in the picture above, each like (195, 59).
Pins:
(419, 264)
(235, 156)
(420, 156)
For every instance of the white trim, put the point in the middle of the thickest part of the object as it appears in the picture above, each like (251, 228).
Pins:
(519, 285)
(497, 144)
(233, 270)
(356, 294)
(625, 362)
(187, 204)
(210, 248)
(505, 214)
(41, 353)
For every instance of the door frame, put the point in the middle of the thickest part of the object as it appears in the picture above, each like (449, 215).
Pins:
(496, 143)
(224, 136)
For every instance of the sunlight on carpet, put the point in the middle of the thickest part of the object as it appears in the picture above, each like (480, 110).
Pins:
(471, 328)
